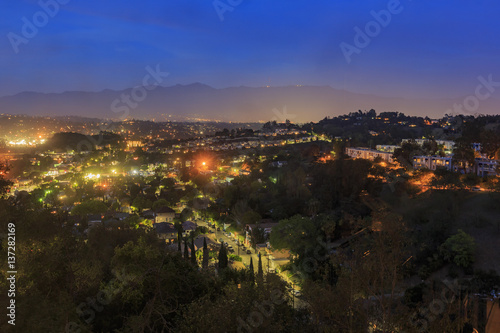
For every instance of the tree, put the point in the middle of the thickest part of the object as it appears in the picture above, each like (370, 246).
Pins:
(463, 154)
(141, 203)
(205, 253)
(405, 154)
(430, 147)
(159, 203)
(89, 207)
(168, 182)
(223, 261)
(133, 221)
(459, 248)
(186, 214)
(4, 183)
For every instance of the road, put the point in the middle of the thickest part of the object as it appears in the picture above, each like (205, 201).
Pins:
(217, 235)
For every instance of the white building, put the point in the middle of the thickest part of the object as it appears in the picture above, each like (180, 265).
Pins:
(447, 144)
(482, 167)
(432, 162)
(387, 148)
(486, 167)
(369, 154)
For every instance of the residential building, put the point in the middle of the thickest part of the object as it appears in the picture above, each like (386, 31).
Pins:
(188, 227)
(164, 214)
(387, 148)
(432, 162)
(486, 167)
(265, 225)
(166, 231)
(369, 154)
(482, 166)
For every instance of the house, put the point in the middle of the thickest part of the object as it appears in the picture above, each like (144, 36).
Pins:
(387, 148)
(164, 214)
(447, 144)
(112, 223)
(482, 166)
(486, 167)
(166, 231)
(121, 216)
(188, 227)
(94, 219)
(265, 225)
(432, 162)
(261, 248)
(211, 244)
(277, 258)
(148, 214)
(369, 154)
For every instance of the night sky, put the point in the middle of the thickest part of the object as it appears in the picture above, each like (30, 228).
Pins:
(429, 49)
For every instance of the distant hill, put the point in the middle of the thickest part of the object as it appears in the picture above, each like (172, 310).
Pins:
(77, 141)
(242, 104)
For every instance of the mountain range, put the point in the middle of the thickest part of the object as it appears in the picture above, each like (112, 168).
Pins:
(238, 104)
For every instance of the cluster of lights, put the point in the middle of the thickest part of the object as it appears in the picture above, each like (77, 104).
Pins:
(92, 176)
(23, 142)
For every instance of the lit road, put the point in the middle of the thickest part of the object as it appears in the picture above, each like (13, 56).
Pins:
(217, 235)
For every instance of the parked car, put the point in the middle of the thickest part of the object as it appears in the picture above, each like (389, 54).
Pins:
(249, 252)
(221, 240)
(230, 249)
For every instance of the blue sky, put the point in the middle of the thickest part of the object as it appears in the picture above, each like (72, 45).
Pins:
(430, 49)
